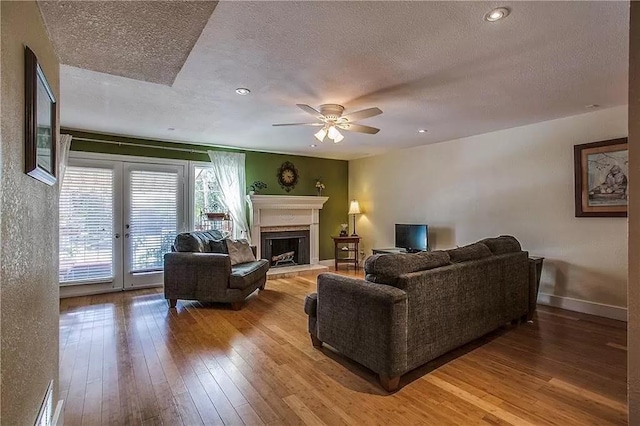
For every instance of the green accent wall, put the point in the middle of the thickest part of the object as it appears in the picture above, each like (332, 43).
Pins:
(261, 166)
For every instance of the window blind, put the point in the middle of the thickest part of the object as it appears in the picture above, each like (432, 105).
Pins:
(86, 225)
(153, 220)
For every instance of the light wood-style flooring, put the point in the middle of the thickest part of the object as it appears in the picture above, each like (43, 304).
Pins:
(126, 359)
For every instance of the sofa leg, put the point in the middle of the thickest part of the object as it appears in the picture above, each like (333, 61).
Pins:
(172, 303)
(390, 384)
(262, 286)
(236, 306)
(317, 343)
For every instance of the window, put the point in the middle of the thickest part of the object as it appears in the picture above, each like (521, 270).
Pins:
(210, 211)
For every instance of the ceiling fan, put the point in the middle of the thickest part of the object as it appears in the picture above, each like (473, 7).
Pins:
(330, 118)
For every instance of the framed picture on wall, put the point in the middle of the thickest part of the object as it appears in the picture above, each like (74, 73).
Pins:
(40, 122)
(601, 170)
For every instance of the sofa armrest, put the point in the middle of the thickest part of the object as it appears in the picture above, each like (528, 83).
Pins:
(254, 250)
(365, 321)
(199, 276)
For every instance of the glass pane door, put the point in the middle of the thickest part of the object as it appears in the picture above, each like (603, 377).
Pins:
(90, 248)
(154, 204)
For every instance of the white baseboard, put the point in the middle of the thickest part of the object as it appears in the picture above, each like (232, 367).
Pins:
(86, 290)
(584, 306)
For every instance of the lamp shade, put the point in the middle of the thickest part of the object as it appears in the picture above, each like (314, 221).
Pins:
(321, 134)
(354, 207)
(333, 133)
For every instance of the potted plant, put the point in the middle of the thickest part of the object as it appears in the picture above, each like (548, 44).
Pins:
(319, 186)
(256, 187)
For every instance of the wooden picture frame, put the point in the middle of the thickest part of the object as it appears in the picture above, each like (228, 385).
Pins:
(601, 184)
(40, 122)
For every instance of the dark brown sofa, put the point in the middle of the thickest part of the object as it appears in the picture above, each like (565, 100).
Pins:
(199, 268)
(412, 308)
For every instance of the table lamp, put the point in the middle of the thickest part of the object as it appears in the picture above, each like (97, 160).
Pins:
(354, 209)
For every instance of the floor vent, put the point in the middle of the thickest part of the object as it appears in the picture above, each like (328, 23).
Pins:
(46, 416)
(46, 409)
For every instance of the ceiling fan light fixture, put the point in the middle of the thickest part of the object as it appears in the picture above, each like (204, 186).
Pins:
(321, 134)
(333, 133)
(242, 91)
(331, 120)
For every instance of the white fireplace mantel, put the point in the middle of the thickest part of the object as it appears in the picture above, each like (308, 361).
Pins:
(269, 211)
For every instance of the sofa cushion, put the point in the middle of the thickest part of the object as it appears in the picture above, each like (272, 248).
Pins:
(239, 252)
(386, 268)
(502, 244)
(473, 251)
(245, 274)
(187, 242)
(218, 246)
(211, 241)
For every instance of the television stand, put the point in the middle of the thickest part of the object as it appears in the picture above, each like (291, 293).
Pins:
(394, 250)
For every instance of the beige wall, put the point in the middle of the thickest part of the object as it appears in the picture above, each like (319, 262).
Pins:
(29, 232)
(633, 345)
(517, 181)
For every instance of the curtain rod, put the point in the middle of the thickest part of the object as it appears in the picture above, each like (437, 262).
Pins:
(169, 148)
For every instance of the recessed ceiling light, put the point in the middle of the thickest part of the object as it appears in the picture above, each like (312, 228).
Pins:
(592, 106)
(496, 14)
(422, 131)
(313, 146)
(171, 129)
(242, 91)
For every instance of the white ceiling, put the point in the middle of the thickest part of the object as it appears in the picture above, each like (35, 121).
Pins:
(433, 65)
(122, 37)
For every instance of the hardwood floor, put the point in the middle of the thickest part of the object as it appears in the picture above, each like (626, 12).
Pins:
(126, 358)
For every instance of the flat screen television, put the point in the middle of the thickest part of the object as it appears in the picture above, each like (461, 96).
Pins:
(412, 238)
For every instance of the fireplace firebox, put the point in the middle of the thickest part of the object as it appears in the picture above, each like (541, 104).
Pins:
(285, 248)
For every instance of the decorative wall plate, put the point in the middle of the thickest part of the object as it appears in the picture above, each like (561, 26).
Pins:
(287, 176)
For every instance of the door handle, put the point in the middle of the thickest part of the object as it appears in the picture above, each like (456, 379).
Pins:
(117, 235)
(126, 235)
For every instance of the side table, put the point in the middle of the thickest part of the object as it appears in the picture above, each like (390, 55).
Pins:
(348, 245)
(537, 261)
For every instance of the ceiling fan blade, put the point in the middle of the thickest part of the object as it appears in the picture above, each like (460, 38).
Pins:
(351, 127)
(309, 110)
(299, 124)
(362, 114)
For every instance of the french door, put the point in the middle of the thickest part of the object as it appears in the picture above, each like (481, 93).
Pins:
(117, 219)
(154, 214)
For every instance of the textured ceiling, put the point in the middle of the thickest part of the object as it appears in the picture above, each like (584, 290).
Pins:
(143, 40)
(433, 65)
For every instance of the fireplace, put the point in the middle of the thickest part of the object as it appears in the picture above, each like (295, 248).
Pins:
(285, 248)
(279, 213)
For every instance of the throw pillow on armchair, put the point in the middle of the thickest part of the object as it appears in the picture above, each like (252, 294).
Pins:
(239, 252)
